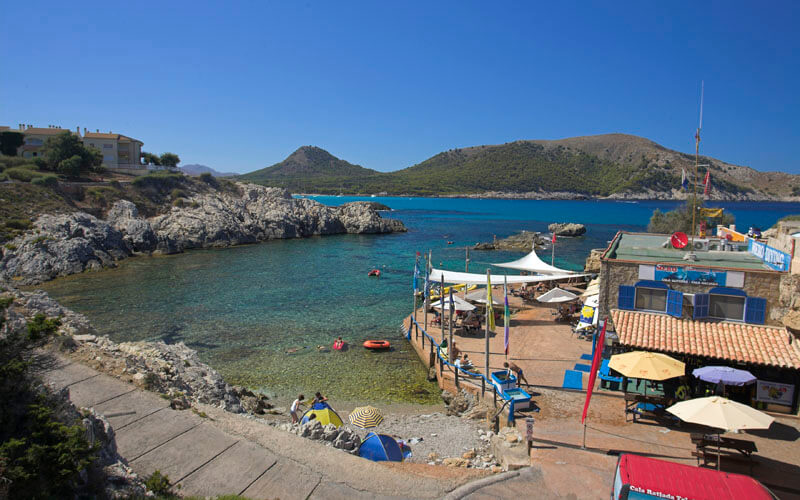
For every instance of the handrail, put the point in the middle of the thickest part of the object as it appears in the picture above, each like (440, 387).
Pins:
(439, 355)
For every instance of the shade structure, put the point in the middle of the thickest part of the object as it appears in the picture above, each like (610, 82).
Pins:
(366, 417)
(556, 296)
(720, 413)
(380, 448)
(533, 264)
(592, 289)
(647, 365)
(724, 374)
(459, 304)
(436, 276)
(479, 296)
(324, 413)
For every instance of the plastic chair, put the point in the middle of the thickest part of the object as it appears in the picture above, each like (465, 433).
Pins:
(606, 380)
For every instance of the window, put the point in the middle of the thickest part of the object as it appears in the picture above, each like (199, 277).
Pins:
(726, 307)
(108, 146)
(651, 299)
(32, 141)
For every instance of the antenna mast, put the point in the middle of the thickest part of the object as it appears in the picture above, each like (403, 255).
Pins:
(691, 255)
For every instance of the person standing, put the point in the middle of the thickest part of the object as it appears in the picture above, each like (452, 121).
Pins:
(293, 409)
(512, 367)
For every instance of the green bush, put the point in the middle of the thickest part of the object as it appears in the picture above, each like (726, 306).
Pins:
(22, 174)
(158, 483)
(178, 193)
(50, 181)
(161, 181)
(20, 224)
(3, 177)
(209, 179)
(180, 203)
(41, 326)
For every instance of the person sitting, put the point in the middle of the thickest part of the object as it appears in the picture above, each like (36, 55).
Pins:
(466, 363)
(338, 343)
(437, 318)
(471, 322)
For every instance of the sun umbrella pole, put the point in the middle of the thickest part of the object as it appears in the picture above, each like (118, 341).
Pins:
(450, 349)
(441, 306)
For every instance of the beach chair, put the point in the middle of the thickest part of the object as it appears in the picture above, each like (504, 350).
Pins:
(608, 382)
(573, 380)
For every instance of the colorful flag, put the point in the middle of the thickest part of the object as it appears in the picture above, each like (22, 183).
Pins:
(684, 179)
(489, 308)
(553, 240)
(711, 212)
(505, 314)
(707, 182)
(598, 353)
(416, 273)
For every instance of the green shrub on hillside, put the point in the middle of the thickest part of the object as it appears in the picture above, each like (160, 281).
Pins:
(22, 174)
(19, 224)
(161, 181)
(50, 181)
(680, 219)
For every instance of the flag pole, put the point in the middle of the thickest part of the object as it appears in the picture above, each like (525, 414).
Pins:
(414, 293)
(426, 291)
(506, 320)
(450, 349)
(553, 255)
(488, 310)
(697, 163)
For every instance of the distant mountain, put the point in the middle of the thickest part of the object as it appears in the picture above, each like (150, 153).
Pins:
(610, 165)
(196, 169)
(308, 166)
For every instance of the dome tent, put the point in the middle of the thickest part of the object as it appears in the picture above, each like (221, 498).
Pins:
(324, 413)
(380, 448)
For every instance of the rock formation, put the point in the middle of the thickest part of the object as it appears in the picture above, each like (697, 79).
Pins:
(567, 229)
(522, 242)
(60, 245)
(593, 261)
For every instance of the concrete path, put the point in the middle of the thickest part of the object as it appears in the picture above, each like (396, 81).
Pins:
(231, 454)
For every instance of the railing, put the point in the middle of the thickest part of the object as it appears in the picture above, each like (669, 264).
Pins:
(443, 361)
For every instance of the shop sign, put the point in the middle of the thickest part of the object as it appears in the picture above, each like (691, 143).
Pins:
(694, 275)
(773, 392)
(772, 257)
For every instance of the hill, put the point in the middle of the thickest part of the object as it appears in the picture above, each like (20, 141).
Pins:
(609, 165)
(306, 168)
(195, 169)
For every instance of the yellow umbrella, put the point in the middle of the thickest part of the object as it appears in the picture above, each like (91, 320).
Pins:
(647, 365)
(365, 417)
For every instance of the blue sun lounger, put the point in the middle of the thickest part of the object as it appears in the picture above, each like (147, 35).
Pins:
(573, 380)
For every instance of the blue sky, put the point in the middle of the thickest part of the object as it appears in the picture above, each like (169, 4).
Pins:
(240, 85)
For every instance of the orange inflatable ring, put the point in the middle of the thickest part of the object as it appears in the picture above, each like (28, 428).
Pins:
(376, 344)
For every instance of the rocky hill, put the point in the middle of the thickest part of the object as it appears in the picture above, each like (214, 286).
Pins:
(610, 165)
(307, 166)
(196, 169)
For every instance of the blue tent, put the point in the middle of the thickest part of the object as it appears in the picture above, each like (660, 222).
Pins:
(379, 447)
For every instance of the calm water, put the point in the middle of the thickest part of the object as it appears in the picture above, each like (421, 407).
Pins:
(243, 308)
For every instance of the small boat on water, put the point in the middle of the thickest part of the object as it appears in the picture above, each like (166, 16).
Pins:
(377, 345)
(375, 272)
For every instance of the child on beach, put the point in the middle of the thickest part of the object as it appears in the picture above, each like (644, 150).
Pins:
(293, 409)
(512, 367)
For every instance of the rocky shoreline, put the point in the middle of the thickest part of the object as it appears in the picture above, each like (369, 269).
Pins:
(64, 244)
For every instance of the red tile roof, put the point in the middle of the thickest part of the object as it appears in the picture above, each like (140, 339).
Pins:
(756, 344)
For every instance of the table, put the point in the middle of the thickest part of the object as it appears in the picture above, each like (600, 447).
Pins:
(632, 400)
(710, 446)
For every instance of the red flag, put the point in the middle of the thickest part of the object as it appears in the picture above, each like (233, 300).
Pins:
(707, 182)
(598, 353)
(554, 239)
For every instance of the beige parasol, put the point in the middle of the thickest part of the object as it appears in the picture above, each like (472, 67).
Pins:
(647, 365)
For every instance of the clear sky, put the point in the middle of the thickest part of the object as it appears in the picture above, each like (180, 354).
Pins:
(240, 85)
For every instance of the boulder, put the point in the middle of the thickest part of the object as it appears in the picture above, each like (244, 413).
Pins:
(567, 229)
(593, 261)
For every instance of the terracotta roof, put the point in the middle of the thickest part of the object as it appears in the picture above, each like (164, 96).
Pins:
(45, 131)
(101, 135)
(756, 344)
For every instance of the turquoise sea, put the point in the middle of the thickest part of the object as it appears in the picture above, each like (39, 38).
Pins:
(243, 308)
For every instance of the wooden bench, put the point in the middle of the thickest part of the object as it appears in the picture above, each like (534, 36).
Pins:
(716, 448)
(632, 401)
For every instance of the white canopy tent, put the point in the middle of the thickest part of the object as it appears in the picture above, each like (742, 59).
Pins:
(532, 263)
(497, 279)
(459, 304)
(479, 296)
(556, 295)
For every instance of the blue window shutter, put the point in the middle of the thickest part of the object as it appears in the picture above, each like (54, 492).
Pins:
(627, 295)
(674, 303)
(700, 305)
(755, 310)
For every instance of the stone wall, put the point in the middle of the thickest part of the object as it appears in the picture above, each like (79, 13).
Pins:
(765, 284)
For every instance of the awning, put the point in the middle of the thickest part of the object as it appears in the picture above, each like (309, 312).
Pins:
(755, 344)
(479, 296)
(556, 295)
(497, 279)
(533, 264)
(458, 303)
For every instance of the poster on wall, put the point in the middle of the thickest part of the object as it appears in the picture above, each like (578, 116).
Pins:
(773, 392)
(772, 257)
(694, 275)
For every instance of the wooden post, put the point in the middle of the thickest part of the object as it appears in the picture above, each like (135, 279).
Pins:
(483, 387)
(441, 306)
(466, 267)
(450, 347)
(494, 390)
(426, 301)
(455, 368)
(486, 363)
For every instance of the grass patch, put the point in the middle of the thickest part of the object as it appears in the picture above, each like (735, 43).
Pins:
(23, 174)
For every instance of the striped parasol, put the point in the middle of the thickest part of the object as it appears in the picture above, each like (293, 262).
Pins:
(366, 417)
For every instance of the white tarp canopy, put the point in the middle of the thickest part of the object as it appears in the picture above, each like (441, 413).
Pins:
(479, 296)
(593, 288)
(459, 304)
(556, 295)
(497, 279)
(532, 263)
